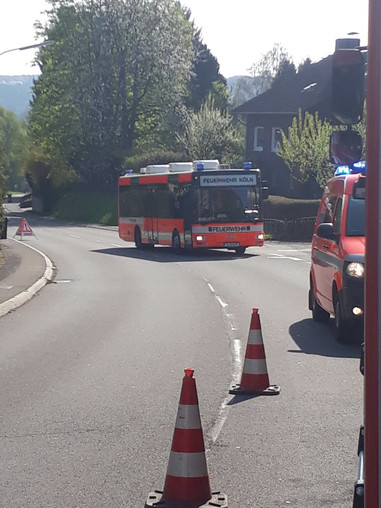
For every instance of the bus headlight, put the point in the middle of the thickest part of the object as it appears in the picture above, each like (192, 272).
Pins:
(355, 269)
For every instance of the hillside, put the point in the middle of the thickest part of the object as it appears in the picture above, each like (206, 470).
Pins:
(242, 89)
(15, 94)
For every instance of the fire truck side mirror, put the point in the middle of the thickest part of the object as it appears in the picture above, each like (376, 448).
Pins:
(345, 147)
(348, 86)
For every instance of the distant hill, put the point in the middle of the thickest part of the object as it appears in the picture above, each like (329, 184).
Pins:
(242, 89)
(16, 93)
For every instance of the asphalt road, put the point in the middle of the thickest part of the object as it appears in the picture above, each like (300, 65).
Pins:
(91, 372)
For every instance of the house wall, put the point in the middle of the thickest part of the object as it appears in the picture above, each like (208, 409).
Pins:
(273, 168)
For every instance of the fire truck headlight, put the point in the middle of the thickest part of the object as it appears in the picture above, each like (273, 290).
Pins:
(355, 269)
(261, 236)
(200, 238)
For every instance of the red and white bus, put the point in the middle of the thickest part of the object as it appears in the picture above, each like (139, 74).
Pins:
(192, 206)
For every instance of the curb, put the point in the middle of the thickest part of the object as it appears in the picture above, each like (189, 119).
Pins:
(24, 296)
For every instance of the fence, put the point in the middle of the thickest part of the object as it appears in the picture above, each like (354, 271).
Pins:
(290, 229)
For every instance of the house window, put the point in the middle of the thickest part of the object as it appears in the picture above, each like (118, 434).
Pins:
(258, 139)
(276, 138)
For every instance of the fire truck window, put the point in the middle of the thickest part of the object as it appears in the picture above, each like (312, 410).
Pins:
(338, 215)
(326, 213)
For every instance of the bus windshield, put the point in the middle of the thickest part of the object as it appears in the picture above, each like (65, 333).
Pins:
(226, 204)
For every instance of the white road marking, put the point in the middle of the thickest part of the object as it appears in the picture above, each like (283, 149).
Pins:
(75, 236)
(281, 256)
(235, 347)
(231, 319)
(211, 288)
(221, 302)
(294, 250)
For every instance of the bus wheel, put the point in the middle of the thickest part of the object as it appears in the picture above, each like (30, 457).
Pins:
(176, 245)
(240, 250)
(138, 239)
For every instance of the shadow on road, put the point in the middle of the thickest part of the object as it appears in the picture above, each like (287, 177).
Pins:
(319, 339)
(158, 254)
(166, 255)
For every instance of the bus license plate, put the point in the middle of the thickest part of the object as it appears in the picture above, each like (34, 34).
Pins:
(231, 244)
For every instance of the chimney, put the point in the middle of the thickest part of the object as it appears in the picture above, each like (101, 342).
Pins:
(347, 43)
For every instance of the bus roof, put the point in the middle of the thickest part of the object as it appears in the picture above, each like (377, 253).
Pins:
(185, 167)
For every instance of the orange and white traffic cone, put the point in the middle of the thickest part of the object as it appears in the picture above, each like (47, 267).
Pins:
(255, 379)
(187, 482)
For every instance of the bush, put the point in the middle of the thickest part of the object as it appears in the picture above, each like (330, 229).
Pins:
(158, 157)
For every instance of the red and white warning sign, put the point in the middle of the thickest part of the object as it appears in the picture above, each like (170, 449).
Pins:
(24, 229)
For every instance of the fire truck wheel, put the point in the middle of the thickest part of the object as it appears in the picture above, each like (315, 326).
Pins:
(342, 326)
(318, 313)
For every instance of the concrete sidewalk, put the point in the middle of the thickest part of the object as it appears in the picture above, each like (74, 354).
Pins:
(23, 272)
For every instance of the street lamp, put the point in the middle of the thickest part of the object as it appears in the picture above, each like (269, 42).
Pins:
(31, 46)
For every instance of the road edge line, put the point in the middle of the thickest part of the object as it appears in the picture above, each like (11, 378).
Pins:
(18, 300)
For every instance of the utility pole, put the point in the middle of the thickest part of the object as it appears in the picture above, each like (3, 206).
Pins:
(372, 375)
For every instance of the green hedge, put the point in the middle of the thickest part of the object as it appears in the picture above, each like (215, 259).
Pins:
(278, 207)
(88, 205)
(289, 219)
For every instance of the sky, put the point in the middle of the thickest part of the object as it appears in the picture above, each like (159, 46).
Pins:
(238, 33)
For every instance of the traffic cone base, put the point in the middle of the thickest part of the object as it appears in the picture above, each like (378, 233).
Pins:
(270, 390)
(155, 500)
(187, 482)
(255, 379)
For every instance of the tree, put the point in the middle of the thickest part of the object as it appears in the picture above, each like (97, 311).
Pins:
(205, 75)
(13, 139)
(116, 74)
(2, 186)
(306, 149)
(211, 134)
(270, 65)
(285, 70)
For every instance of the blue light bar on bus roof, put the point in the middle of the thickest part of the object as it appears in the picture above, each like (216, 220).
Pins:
(200, 166)
(356, 167)
(247, 165)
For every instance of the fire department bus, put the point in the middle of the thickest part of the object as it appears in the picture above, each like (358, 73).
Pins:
(192, 206)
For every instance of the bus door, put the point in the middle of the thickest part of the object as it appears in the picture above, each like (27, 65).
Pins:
(151, 219)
